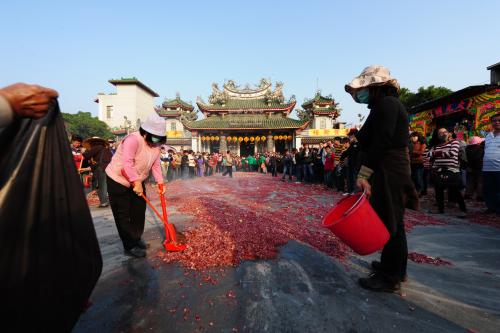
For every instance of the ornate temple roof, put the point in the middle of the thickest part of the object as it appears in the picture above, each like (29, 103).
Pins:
(233, 121)
(258, 99)
(172, 108)
(321, 105)
(177, 102)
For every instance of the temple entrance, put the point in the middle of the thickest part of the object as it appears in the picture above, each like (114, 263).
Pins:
(214, 147)
(280, 146)
(247, 148)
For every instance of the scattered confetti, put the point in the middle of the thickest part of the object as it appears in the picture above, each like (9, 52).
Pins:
(420, 258)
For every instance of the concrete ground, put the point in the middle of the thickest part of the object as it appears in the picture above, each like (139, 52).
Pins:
(302, 290)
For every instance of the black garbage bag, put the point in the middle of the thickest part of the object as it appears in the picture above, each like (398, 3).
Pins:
(49, 254)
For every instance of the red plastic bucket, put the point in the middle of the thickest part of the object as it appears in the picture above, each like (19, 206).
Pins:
(354, 221)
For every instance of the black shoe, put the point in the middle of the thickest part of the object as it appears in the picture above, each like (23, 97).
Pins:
(142, 244)
(136, 252)
(377, 267)
(375, 282)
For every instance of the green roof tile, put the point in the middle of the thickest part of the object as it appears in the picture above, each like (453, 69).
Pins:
(166, 113)
(245, 122)
(247, 104)
(327, 110)
(317, 99)
(177, 102)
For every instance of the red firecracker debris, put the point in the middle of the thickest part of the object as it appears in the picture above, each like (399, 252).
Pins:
(420, 258)
(250, 221)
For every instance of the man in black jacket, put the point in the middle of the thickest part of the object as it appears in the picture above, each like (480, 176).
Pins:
(299, 165)
(287, 165)
(185, 165)
(351, 155)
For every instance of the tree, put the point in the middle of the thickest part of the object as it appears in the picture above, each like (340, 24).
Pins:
(303, 115)
(83, 124)
(410, 99)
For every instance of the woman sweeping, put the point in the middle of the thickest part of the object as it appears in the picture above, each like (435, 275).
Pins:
(385, 170)
(137, 155)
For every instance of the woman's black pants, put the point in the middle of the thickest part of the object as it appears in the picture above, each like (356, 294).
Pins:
(453, 192)
(394, 256)
(129, 211)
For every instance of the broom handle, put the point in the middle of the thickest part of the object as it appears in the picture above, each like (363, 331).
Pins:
(163, 203)
(152, 207)
(169, 231)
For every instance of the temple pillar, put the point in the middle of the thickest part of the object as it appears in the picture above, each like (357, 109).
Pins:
(270, 143)
(222, 144)
(298, 142)
(194, 143)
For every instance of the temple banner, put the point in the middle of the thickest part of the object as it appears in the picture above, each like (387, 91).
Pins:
(486, 105)
(329, 132)
(421, 122)
(175, 134)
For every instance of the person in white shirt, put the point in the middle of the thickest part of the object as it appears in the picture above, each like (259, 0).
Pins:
(24, 100)
(491, 167)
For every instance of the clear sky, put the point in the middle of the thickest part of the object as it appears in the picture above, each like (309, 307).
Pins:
(184, 46)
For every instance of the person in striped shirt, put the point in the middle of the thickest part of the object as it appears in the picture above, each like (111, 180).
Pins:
(446, 171)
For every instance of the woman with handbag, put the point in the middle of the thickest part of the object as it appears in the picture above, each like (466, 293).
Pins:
(446, 171)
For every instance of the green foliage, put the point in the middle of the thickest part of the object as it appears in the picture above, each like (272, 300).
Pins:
(83, 124)
(410, 99)
(304, 115)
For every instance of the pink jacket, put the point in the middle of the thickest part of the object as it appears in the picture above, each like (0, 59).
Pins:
(136, 158)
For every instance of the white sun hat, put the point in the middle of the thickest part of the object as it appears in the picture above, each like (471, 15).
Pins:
(374, 75)
(155, 125)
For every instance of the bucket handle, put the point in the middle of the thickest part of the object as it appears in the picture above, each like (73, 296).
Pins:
(355, 204)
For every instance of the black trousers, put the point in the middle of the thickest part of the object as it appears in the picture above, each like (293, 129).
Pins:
(229, 170)
(274, 170)
(102, 191)
(453, 192)
(394, 256)
(129, 211)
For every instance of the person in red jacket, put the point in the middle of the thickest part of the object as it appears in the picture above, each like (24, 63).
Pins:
(76, 149)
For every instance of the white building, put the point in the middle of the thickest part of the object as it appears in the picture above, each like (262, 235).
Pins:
(129, 106)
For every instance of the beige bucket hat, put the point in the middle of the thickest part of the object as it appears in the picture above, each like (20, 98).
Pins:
(374, 75)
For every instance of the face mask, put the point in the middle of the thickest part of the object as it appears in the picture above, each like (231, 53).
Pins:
(362, 96)
(155, 140)
(442, 138)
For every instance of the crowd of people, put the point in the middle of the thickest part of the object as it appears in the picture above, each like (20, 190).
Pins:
(333, 163)
(452, 165)
(464, 168)
(390, 165)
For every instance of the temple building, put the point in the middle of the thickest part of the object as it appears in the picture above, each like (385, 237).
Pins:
(246, 120)
(124, 110)
(176, 112)
(321, 112)
(466, 112)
